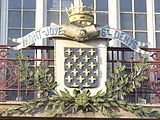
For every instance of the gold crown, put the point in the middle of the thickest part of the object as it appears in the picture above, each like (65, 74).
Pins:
(80, 15)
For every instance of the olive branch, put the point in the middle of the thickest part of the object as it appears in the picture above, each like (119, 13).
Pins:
(63, 103)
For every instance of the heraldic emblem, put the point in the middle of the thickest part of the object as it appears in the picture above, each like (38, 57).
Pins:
(81, 67)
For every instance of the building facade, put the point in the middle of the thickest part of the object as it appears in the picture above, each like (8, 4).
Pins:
(138, 18)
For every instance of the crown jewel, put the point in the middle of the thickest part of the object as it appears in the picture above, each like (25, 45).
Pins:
(79, 14)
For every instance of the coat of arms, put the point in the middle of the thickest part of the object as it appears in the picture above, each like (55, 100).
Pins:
(81, 67)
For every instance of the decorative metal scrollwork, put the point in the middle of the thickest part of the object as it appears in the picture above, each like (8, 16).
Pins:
(155, 56)
(2, 95)
(8, 75)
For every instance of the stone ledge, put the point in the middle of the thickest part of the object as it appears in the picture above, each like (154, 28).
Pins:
(150, 105)
(12, 102)
(21, 102)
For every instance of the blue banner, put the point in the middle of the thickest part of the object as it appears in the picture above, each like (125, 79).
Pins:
(86, 33)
